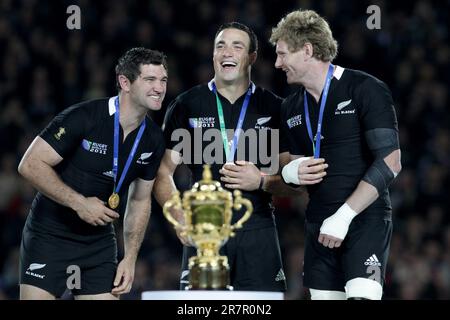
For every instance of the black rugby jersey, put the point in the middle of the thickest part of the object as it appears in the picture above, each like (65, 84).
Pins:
(83, 136)
(356, 102)
(196, 110)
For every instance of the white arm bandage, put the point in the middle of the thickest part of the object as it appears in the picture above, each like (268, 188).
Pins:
(290, 171)
(337, 224)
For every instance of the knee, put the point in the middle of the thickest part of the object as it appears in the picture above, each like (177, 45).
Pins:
(361, 288)
(327, 295)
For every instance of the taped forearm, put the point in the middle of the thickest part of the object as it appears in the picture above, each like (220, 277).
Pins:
(382, 142)
(290, 171)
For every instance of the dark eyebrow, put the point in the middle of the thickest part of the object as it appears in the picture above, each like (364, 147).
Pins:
(233, 43)
(154, 77)
(239, 42)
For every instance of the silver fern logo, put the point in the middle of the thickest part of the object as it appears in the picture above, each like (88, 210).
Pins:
(33, 267)
(144, 157)
(36, 266)
(342, 105)
(261, 122)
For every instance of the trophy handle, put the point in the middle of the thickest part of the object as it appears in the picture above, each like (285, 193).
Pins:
(173, 202)
(238, 202)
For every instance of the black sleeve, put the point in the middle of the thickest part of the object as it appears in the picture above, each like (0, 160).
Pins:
(174, 119)
(283, 142)
(377, 107)
(285, 134)
(152, 168)
(65, 131)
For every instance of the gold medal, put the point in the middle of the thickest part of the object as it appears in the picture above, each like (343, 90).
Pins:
(113, 200)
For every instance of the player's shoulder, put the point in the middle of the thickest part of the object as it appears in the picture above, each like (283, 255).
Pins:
(92, 107)
(267, 95)
(293, 99)
(362, 80)
(193, 94)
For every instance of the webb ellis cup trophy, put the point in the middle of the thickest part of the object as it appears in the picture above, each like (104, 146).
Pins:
(207, 211)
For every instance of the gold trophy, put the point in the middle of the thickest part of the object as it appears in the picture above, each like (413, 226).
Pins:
(207, 212)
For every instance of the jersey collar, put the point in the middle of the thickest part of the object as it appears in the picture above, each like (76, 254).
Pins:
(210, 85)
(111, 105)
(338, 71)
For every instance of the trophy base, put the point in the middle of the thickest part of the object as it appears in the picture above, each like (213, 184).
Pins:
(190, 288)
(209, 273)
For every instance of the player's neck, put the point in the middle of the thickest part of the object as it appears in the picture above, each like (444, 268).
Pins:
(232, 90)
(131, 115)
(315, 79)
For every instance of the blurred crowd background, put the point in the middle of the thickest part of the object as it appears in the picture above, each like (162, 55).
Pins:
(44, 68)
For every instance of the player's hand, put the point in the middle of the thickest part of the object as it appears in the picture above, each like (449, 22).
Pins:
(184, 239)
(95, 212)
(124, 276)
(178, 215)
(335, 228)
(305, 171)
(243, 176)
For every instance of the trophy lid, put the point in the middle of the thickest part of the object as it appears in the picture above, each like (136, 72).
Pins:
(207, 183)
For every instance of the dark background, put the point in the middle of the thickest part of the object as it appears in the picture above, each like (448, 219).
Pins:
(44, 68)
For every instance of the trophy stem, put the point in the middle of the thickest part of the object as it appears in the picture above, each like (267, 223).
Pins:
(209, 273)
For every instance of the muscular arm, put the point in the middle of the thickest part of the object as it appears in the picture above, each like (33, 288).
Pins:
(246, 176)
(334, 228)
(136, 218)
(365, 194)
(37, 167)
(275, 184)
(164, 184)
(135, 223)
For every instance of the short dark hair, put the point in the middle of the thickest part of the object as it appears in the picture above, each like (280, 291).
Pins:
(129, 64)
(240, 26)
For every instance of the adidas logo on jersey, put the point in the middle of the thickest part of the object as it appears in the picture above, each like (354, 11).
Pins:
(280, 276)
(372, 261)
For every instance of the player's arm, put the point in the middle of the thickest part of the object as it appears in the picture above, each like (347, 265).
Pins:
(381, 135)
(275, 184)
(37, 167)
(303, 171)
(383, 170)
(377, 179)
(137, 215)
(165, 185)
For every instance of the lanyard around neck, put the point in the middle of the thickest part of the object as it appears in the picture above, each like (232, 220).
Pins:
(230, 151)
(116, 148)
(316, 139)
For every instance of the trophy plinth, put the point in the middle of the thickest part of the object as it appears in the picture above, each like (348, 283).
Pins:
(207, 212)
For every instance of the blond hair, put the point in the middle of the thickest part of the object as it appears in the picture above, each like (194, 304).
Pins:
(302, 26)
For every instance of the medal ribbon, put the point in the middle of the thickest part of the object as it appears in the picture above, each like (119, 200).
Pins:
(316, 147)
(231, 151)
(116, 148)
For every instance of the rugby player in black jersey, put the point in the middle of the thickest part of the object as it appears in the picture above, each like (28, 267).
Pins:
(82, 163)
(343, 141)
(254, 254)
